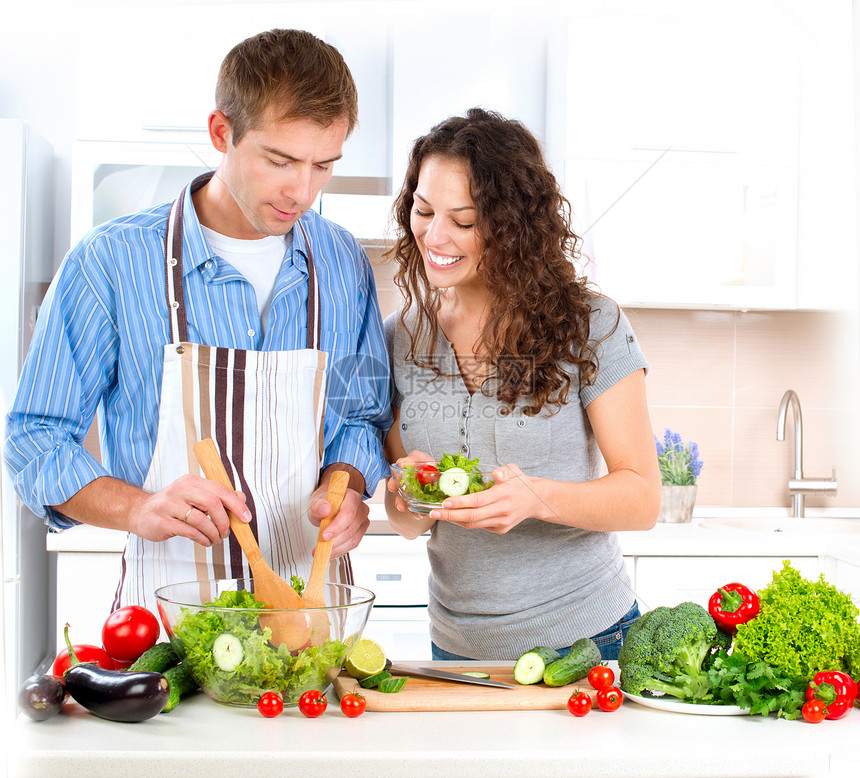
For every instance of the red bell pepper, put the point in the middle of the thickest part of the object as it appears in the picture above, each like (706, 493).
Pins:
(836, 689)
(731, 605)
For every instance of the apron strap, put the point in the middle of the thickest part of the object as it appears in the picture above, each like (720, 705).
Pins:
(173, 273)
(313, 327)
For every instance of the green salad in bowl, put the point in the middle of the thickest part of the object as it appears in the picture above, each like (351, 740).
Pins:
(423, 485)
(214, 627)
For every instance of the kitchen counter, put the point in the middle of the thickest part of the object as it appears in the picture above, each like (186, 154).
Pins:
(691, 539)
(202, 738)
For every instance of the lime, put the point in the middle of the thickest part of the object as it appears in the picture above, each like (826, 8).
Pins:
(366, 659)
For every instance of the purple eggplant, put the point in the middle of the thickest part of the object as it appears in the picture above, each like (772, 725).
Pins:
(42, 696)
(116, 694)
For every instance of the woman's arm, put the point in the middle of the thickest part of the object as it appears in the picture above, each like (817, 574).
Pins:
(403, 522)
(626, 498)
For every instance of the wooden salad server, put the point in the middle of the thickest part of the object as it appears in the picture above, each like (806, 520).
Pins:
(292, 630)
(314, 593)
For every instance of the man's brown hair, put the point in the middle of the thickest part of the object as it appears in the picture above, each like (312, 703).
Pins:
(285, 74)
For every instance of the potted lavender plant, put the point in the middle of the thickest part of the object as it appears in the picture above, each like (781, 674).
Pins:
(680, 466)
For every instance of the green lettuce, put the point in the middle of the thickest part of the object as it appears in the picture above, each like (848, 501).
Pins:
(803, 627)
(264, 667)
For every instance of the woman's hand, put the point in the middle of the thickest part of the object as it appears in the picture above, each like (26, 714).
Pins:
(513, 498)
(410, 459)
(406, 523)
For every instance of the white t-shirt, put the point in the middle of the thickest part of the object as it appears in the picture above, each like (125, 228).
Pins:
(258, 260)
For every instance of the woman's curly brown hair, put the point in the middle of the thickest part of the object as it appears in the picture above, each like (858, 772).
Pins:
(537, 327)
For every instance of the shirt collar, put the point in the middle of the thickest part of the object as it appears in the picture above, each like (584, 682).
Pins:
(196, 250)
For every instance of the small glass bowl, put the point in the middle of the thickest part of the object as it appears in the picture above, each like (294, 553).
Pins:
(425, 477)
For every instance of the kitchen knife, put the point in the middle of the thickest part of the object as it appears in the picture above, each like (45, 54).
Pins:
(444, 675)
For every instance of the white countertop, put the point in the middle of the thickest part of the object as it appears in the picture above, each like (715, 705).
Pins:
(692, 539)
(202, 738)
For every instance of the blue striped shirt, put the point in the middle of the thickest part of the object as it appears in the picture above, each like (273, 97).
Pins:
(103, 326)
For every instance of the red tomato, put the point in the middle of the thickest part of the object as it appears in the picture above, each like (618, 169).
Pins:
(609, 699)
(814, 711)
(579, 704)
(130, 631)
(601, 676)
(270, 704)
(313, 703)
(353, 705)
(427, 474)
(85, 653)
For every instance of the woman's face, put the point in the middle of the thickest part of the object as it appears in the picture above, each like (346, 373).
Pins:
(443, 223)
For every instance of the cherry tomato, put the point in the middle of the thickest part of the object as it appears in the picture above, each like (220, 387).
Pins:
(85, 653)
(313, 703)
(814, 711)
(270, 704)
(129, 632)
(601, 676)
(427, 474)
(609, 698)
(579, 704)
(353, 704)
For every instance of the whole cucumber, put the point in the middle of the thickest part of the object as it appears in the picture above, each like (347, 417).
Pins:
(584, 654)
(157, 659)
(181, 683)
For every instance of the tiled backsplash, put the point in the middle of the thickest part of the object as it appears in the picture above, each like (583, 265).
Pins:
(717, 377)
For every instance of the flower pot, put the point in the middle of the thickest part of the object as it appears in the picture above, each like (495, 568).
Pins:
(678, 502)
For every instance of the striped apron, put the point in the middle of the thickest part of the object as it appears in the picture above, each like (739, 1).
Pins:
(264, 410)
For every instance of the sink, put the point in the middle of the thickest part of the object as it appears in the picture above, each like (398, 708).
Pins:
(792, 526)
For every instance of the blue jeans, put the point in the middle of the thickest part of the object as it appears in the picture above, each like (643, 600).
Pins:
(609, 641)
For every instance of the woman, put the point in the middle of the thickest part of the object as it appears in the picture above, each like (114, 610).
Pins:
(503, 353)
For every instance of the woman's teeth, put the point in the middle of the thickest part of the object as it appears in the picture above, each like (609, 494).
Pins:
(437, 260)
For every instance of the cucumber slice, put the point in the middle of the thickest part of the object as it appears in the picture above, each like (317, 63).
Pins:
(391, 685)
(531, 666)
(228, 652)
(476, 674)
(454, 481)
(374, 680)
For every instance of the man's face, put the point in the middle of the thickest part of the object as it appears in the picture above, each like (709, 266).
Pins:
(275, 173)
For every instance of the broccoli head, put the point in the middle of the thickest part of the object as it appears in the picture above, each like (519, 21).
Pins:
(668, 650)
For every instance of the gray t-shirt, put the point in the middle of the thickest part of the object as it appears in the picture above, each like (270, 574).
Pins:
(491, 596)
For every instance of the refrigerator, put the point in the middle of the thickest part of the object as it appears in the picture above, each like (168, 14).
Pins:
(27, 251)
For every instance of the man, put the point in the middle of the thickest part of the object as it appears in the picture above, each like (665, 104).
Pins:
(218, 316)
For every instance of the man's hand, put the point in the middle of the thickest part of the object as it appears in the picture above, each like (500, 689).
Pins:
(191, 507)
(353, 519)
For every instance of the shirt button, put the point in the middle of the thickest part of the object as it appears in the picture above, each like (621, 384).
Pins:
(521, 423)
(463, 449)
(462, 430)
(465, 413)
(403, 426)
(251, 333)
(208, 264)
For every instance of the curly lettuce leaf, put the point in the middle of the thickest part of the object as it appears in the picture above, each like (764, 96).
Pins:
(803, 627)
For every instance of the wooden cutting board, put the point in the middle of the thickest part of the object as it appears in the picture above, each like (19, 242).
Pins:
(423, 694)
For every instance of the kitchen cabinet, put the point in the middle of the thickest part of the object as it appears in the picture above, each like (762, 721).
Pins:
(702, 179)
(662, 580)
(666, 565)
(127, 93)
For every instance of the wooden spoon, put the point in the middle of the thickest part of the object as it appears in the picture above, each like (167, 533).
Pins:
(290, 629)
(314, 593)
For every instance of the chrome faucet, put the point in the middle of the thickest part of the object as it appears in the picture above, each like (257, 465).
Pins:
(799, 486)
